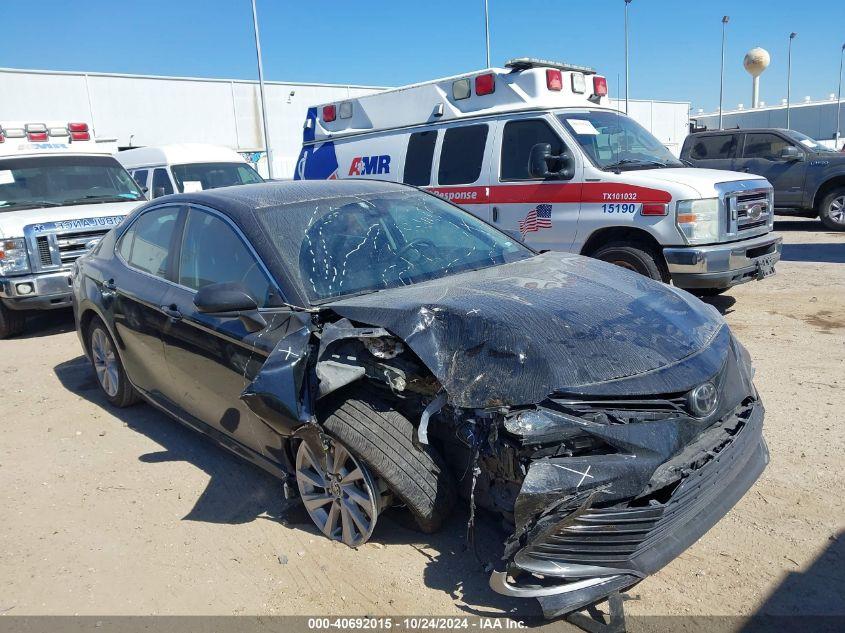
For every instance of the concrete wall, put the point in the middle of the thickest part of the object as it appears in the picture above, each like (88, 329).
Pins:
(143, 110)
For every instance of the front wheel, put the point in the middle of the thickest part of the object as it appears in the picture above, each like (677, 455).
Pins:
(641, 258)
(12, 322)
(109, 369)
(832, 210)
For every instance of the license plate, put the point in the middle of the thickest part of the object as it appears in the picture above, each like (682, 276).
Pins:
(766, 266)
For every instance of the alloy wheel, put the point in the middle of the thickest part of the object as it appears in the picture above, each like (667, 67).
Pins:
(105, 362)
(342, 499)
(836, 212)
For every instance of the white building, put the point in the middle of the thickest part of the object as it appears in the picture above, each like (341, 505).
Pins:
(140, 110)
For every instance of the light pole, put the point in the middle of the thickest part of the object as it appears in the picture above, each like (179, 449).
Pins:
(627, 2)
(725, 20)
(487, 32)
(789, 75)
(839, 97)
(261, 91)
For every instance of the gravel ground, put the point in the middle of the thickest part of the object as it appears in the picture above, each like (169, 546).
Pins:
(111, 511)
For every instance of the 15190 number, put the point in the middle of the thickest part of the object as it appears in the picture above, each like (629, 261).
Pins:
(624, 207)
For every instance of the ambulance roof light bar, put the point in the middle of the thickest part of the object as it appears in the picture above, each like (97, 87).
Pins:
(524, 63)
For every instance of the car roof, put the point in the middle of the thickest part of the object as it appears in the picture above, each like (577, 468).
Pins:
(736, 130)
(177, 153)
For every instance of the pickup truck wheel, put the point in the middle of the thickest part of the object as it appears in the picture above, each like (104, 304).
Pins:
(12, 322)
(107, 366)
(832, 210)
(641, 258)
(383, 438)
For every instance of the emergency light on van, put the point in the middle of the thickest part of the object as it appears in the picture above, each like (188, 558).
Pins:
(579, 84)
(485, 84)
(460, 89)
(599, 86)
(554, 80)
(36, 132)
(329, 113)
(79, 131)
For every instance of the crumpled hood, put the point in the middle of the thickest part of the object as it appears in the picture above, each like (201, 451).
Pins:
(514, 334)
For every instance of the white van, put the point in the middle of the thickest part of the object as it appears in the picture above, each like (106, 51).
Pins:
(61, 190)
(186, 167)
(535, 149)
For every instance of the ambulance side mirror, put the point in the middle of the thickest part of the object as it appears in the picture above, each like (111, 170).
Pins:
(541, 160)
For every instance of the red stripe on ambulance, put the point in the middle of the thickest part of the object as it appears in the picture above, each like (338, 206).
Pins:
(552, 193)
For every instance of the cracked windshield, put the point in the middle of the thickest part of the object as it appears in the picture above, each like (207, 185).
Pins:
(361, 244)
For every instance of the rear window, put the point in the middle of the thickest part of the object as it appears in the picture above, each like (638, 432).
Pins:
(419, 157)
(714, 147)
(200, 176)
(462, 155)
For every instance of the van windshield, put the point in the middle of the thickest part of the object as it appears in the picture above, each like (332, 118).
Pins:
(200, 176)
(614, 141)
(343, 246)
(59, 181)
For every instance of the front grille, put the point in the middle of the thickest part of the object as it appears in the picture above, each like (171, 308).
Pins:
(748, 210)
(616, 536)
(43, 245)
(73, 245)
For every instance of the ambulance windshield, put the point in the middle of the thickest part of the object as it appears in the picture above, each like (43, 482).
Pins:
(614, 141)
(354, 245)
(60, 181)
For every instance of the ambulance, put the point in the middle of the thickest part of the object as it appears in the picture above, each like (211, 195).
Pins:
(536, 149)
(60, 191)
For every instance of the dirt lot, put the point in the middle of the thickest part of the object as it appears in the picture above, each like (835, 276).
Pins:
(125, 512)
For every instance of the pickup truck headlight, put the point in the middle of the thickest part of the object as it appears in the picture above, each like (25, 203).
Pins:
(698, 220)
(13, 258)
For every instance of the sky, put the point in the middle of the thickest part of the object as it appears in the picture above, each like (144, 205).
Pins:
(674, 44)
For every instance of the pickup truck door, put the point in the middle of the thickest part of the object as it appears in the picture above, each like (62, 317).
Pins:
(761, 155)
(714, 151)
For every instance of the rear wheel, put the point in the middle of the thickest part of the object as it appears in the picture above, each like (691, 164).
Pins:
(12, 322)
(637, 256)
(108, 367)
(832, 210)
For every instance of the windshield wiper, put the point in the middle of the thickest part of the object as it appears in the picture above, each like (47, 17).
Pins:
(32, 204)
(99, 200)
(634, 161)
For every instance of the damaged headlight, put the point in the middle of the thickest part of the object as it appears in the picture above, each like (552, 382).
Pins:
(543, 427)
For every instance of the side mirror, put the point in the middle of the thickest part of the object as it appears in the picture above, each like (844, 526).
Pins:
(791, 153)
(541, 160)
(224, 297)
(158, 192)
(230, 299)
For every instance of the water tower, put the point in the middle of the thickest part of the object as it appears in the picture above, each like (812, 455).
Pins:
(755, 62)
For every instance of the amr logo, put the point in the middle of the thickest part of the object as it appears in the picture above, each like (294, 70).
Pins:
(362, 165)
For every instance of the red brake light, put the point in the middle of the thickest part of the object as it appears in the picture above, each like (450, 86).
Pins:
(485, 84)
(36, 136)
(77, 127)
(2, 138)
(599, 86)
(653, 209)
(554, 81)
(329, 113)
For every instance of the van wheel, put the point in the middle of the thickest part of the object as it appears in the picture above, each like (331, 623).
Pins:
(12, 322)
(639, 257)
(383, 438)
(832, 210)
(107, 366)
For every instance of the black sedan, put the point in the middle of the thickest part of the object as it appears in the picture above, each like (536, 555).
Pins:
(374, 345)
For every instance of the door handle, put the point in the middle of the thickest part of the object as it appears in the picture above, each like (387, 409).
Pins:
(747, 169)
(172, 311)
(495, 214)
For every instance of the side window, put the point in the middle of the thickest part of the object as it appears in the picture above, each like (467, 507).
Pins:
(140, 176)
(213, 253)
(517, 140)
(462, 155)
(146, 245)
(418, 158)
(714, 147)
(768, 146)
(161, 181)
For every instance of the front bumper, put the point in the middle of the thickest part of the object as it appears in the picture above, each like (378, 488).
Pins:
(591, 552)
(723, 265)
(48, 291)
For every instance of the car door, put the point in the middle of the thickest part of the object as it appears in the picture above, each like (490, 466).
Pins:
(211, 358)
(544, 213)
(761, 155)
(137, 288)
(714, 151)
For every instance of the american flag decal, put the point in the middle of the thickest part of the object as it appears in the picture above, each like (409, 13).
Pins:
(540, 217)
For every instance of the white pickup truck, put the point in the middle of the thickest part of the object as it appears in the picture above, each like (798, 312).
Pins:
(60, 192)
